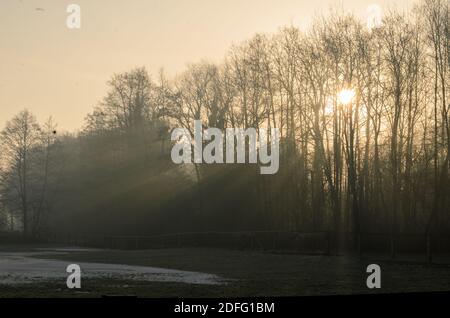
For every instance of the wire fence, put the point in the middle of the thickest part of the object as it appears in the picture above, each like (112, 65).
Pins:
(320, 242)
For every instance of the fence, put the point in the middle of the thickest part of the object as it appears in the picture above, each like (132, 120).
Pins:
(323, 242)
(315, 242)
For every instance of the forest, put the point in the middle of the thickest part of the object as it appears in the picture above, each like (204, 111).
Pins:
(363, 116)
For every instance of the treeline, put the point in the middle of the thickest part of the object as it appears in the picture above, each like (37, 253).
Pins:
(365, 139)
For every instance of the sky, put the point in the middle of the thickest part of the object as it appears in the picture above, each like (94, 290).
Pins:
(56, 71)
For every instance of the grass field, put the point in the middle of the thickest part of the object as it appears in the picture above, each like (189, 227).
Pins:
(248, 273)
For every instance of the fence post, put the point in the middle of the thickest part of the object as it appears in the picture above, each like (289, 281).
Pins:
(392, 246)
(360, 245)
(274, 241)
(328, 242)
(429, 255)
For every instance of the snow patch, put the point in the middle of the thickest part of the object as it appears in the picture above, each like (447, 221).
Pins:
(25, 267)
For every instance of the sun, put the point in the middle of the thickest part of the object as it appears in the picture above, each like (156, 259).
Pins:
(346, 96)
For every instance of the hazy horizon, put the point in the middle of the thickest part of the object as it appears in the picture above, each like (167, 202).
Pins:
(294, 148)
(52, 70)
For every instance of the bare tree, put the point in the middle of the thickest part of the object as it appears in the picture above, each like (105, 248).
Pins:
(19, 141)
